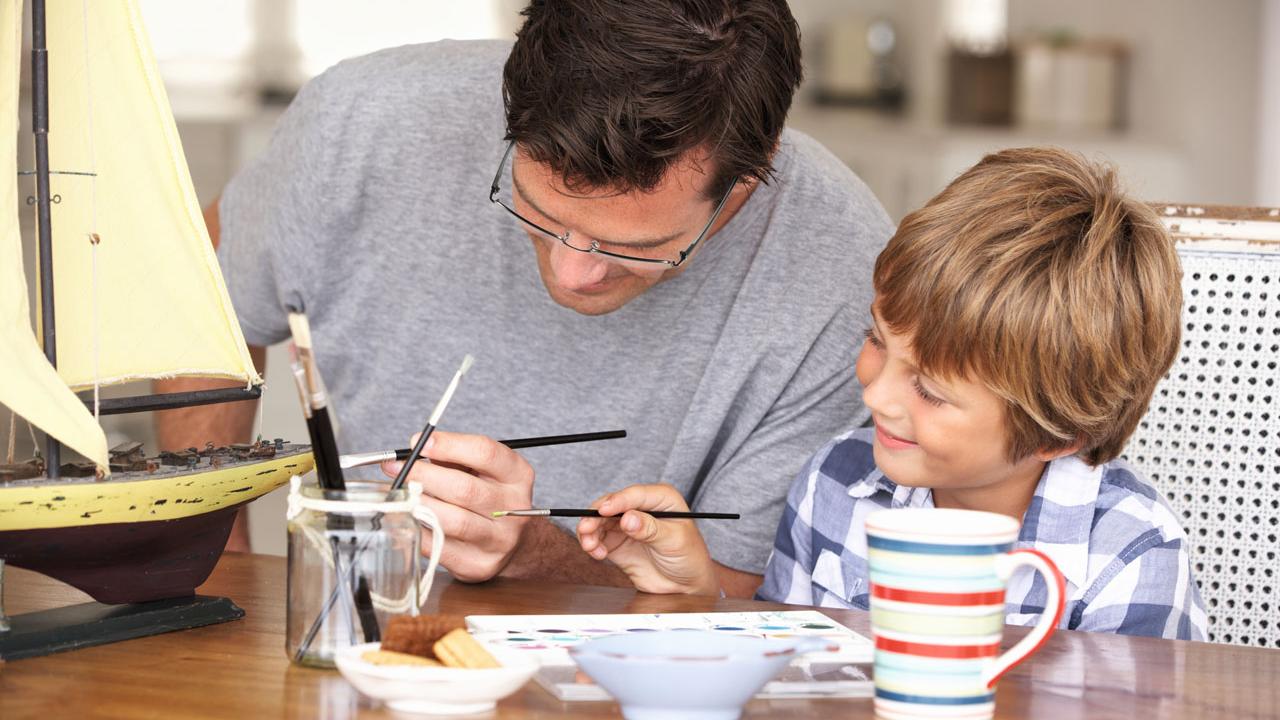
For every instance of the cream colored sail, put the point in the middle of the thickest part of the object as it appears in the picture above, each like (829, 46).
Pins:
(152, 303)
(29, 385)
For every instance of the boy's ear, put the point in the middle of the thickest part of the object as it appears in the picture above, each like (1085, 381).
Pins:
(1051, 454)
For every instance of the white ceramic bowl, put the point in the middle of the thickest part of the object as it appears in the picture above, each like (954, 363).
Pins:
(686, 674)
(435, 690)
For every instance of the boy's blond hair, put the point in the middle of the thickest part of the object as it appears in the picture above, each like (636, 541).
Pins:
(1034, 275)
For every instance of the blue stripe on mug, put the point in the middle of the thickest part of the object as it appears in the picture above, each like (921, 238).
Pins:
(925, 700)
(935, 548)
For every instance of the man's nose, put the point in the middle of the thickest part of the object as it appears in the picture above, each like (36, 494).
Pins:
(574, 269)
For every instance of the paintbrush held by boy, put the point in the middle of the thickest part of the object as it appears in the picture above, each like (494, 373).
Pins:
(1021, 321)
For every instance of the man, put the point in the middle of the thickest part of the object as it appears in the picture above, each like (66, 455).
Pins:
(655, 254)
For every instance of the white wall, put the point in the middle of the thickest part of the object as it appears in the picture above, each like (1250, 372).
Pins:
(1268, 190)
(1194, 73)
(1193, 78)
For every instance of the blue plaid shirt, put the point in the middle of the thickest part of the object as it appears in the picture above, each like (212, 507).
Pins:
(1119, 546)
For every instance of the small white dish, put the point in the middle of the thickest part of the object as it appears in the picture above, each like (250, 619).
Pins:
(435, 690)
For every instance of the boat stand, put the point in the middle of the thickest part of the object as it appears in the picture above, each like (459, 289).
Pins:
(78, 626)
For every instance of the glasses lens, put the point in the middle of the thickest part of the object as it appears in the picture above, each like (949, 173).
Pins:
(640, 259)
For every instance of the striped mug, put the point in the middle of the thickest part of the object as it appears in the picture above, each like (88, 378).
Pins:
(937, 609)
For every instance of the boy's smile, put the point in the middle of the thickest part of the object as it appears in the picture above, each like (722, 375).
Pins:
(891, 441)
(948, 435)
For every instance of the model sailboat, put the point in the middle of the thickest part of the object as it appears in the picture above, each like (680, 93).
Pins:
(126, 264)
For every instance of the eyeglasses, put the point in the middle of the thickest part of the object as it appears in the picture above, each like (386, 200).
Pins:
(593, 246)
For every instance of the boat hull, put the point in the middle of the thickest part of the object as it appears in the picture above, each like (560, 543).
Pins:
(125, 562)
(137, 536)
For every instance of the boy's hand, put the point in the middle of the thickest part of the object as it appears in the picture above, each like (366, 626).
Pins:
(660, 556)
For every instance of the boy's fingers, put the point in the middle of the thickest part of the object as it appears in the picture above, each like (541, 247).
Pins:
(641, 527)
(611, 539)
(641, 497)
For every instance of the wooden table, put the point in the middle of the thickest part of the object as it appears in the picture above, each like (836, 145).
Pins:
(239, 669)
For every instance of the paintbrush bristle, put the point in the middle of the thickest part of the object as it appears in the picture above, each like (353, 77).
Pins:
(448, 392)
(301, 330)
(498, 513)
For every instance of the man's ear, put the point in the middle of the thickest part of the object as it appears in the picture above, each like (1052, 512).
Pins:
(1051, 454)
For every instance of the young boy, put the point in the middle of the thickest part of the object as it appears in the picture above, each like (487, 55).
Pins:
(1021, 321)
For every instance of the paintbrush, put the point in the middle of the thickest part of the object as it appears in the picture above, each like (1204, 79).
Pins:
(370, 458)
(425, 435)
(411, 458)
(592, 512)
(319, 425)
(324, 448)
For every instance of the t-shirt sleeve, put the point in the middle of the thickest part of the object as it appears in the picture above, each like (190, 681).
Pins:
(821, 400)
(273, 214)
(1149, 593)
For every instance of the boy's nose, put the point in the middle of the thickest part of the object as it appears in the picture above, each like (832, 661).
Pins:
(879, 398)
(575, 270)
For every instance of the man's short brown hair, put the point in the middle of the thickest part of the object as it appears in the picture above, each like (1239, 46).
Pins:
(1034, 275)
(611, 93)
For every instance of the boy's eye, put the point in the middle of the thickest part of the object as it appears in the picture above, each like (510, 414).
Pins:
(925, 394)
(870, 334)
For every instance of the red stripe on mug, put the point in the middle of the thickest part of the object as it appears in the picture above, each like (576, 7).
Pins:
(950, 652)
(994, 597)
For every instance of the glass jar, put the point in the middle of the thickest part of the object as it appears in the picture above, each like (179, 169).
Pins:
(353, 563)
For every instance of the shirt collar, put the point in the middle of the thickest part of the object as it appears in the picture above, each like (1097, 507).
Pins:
(900, 496)
(1058, 521)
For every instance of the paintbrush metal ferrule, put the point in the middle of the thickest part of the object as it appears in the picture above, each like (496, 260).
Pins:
(300, 381)
(351, 460)
(319, 398)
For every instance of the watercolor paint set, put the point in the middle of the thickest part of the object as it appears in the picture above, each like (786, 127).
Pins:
(844, 672)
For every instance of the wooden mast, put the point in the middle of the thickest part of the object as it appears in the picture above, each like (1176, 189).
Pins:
(40, 128)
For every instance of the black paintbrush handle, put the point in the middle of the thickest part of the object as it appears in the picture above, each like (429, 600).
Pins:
(411, 457)
(662, 514)
(519, 443)
(364, 610)
(325, 447)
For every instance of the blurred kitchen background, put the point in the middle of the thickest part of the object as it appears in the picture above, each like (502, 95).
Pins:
(1182, 95)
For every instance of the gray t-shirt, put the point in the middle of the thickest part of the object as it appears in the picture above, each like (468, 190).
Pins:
(370, 210)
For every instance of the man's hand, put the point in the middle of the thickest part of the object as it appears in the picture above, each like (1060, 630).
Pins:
(468, 478)
(660, 556)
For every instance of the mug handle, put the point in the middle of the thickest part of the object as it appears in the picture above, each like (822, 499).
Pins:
(428, 519)
(1039, 635)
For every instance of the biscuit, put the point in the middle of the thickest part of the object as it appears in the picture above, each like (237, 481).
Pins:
(459, 649)
(416, 634)
(390, 657)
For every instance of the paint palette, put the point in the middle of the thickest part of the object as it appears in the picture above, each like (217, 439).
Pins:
(841, 673)
(550, 636)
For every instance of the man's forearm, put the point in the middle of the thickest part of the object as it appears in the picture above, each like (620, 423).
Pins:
(220, 424)
(547, 552)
